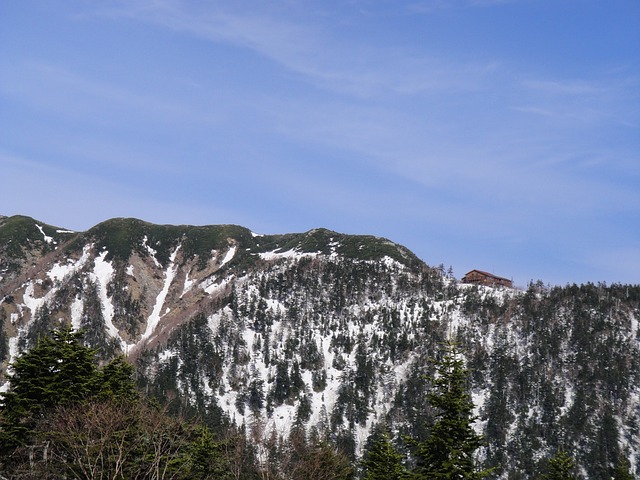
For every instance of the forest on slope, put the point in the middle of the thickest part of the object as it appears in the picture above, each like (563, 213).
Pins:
(335, 334)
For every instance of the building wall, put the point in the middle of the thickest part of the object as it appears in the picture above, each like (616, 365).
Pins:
(480, 278)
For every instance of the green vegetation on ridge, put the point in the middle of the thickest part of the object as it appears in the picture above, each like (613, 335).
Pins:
(19, 232)
(121, 237)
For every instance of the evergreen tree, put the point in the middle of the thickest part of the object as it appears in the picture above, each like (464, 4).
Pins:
(116, 380)
(206, 459)
(448, 452)
(58, 370)
(383, 461)
(621, 471)
(560, 467)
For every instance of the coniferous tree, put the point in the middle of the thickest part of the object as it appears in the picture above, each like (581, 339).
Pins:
(383, 461)
(448, 452)
(560, 467)
(206, 459)
(621, 471)
(116, 380)
(57, 371)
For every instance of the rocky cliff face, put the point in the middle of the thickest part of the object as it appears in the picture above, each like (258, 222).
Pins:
(333, 333)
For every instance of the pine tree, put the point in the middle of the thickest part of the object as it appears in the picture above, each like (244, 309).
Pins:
(448, 452)
(383, 461)
(560, 467)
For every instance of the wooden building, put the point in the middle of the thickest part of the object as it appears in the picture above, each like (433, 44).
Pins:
(478, 277)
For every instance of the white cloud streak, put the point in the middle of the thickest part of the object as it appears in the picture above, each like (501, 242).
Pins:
(69, 93)
(313, 52)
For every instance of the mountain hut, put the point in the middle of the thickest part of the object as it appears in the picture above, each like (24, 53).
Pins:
(478, 277)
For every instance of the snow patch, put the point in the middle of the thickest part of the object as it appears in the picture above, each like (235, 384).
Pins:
(76, 313)
(391, 263)
(47, 238)
(13, 352)
(152, 252)
(30, 301)
(33, 303)
(479, 398)
(211, 287)
(102, 275)
(213, 322)
(188, 285)
(154, 318)
(59, 271)
(334, 245)
(229, 256)
(569, 396)
(293, 253)
(166, 355)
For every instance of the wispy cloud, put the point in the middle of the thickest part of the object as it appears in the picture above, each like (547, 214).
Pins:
(433, 6)
(416, 145)
(430, 6)
(312, 51)
(545, 112)
(571, 87)
(52, 86)
(92, 196)
(491, 3)
(602, 100)
(519, 169)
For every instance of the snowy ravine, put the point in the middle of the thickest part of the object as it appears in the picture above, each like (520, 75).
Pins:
(336, 334)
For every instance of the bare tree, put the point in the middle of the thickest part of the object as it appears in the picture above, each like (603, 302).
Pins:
(164, 443)
(90, 441)
(111, 439)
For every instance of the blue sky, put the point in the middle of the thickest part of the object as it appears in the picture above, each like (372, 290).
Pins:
(502, 135)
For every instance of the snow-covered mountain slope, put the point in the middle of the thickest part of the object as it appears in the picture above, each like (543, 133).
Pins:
(333, 333)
